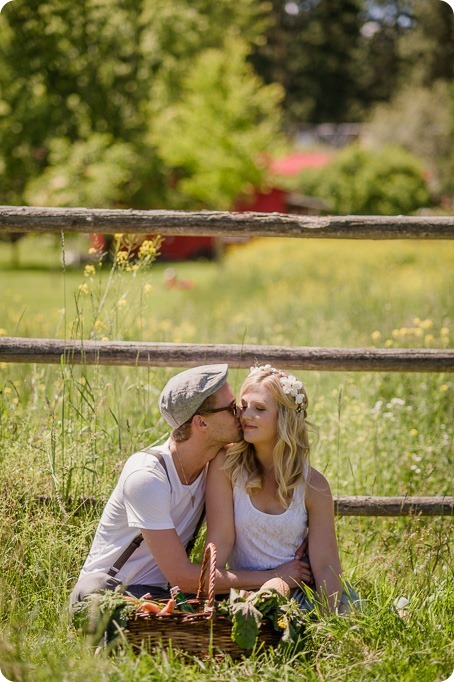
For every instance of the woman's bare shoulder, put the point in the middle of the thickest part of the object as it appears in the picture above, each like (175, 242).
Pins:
(317, 485)
(218, 460)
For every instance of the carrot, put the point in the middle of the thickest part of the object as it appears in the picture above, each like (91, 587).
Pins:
(168, 608)
(149, 607)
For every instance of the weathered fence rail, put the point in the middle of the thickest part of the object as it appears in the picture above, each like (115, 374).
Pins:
(141, 354)
(360, 505)
(219, 223)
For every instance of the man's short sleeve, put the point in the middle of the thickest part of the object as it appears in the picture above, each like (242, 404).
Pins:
(147, 499)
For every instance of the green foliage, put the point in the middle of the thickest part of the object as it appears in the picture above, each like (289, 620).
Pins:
(98, 173)
(311, 49)
(389, 181)
(81, 84)
(101, 614)
(427, 51)
(68, 70)
(421, 120)
(247, 614)
(225, 120)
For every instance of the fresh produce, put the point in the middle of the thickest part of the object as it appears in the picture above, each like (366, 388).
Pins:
(277, 584)
(248, 610)
(168, 608)
(148, 607)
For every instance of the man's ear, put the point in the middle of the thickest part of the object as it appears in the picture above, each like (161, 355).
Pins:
(198, 422)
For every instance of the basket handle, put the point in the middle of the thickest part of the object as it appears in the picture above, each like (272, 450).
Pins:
(208, 563)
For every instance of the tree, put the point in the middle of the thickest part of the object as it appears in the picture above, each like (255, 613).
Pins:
(81, 83)
(421, 120)
(428, 49)
(312, 50)
(384, 23)
(224, 122)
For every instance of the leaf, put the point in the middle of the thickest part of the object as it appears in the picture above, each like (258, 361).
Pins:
(246, 624)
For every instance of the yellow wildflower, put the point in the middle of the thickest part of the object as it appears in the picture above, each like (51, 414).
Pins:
(427, 324)
(429, 339)
(122, 257)
(121, 303)
(389, 343)
(89, 271)
(99, 324)
(282, 622)
(395, 333)
(104, 338)
(2, 331)
(444, 331)
(7, 390)
(92, 250)
(414, 432)
(3, 365)
(83, 288)
(376, 336)
(444, 388)
(147, 249)
(148, 288)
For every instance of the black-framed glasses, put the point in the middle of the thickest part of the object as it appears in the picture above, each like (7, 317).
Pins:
(233, 408)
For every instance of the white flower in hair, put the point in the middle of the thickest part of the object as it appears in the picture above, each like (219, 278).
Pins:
(262, 368)
(292, 386)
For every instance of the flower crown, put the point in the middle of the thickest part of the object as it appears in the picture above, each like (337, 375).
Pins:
(290, 384)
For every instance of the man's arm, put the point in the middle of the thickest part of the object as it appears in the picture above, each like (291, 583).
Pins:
(170, 555)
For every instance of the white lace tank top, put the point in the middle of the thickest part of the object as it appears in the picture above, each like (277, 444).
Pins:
(263, 540)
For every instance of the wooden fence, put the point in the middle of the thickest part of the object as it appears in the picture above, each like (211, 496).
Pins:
(218, 224)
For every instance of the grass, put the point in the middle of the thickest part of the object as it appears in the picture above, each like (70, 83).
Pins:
(66, 431)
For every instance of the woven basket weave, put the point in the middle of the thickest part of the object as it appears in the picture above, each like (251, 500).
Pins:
(202, 633)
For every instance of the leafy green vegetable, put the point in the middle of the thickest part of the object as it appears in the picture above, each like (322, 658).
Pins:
(247, 614)
(246, 623)
(101, 614)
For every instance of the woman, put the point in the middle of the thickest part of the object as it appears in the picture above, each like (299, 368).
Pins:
(263, 497)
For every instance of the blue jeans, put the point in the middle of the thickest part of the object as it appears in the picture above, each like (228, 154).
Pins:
(308, 599)
(95, 582)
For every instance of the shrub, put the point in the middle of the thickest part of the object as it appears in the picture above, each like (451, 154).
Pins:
(364, 182)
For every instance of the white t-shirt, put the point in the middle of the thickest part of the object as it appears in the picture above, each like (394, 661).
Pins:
(264, 541)
(144, 497)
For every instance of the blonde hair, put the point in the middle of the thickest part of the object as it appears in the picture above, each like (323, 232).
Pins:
(292, 449)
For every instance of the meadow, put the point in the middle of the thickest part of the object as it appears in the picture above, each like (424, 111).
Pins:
(66, 431)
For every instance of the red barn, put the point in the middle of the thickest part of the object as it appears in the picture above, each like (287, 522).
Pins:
(272, 200)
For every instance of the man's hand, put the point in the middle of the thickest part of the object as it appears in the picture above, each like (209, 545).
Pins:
(302, 549)
(292, 572)
(302, 555)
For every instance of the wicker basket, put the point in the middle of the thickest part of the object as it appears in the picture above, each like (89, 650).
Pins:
(201, 634)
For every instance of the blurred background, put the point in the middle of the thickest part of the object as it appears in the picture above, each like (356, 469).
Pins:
(309, 106)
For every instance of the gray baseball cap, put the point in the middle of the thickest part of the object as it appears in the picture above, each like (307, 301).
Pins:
(185, 392)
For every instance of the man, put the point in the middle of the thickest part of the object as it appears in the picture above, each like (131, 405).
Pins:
(160, 497)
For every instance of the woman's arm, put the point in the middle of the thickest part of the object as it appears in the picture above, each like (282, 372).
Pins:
(323, 550)
(219, 509)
